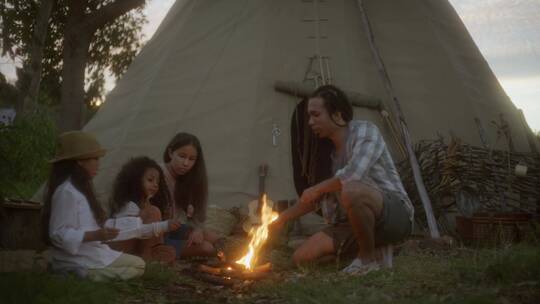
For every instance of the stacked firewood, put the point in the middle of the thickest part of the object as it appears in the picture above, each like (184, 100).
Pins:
(474, 179)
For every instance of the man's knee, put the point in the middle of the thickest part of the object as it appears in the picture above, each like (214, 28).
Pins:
(359, 195)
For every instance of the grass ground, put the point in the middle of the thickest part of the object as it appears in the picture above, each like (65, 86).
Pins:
(451, 275)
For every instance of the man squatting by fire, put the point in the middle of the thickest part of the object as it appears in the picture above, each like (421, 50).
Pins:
(364, 202)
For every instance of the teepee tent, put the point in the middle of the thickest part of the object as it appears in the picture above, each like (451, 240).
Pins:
(213, 66)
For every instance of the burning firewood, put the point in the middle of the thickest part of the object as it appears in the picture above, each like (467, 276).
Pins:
(262, 268)
(209, 269)
(217, 280)
(243, 269)
(244, 274)
(258, 236)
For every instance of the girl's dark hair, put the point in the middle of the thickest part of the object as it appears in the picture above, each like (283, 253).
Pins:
(192, 187)
(128, 185)
(335, 100)
(80, 179)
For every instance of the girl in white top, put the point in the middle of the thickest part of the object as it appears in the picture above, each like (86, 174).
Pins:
(73, 218)
(139, 193)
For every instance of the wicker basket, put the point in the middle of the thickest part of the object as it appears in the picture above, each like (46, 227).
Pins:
(492, 228)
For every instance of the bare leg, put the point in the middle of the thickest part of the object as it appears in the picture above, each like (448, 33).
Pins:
(206, 248)
(203, 249)
(363, 205)
(150, 214)
(317, 246)
(210, 236)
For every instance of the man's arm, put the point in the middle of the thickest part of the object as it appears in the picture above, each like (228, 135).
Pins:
(332, 184)
(296, 211)
(306, 202)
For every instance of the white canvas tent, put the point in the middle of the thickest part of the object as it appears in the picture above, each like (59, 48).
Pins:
(211, 68)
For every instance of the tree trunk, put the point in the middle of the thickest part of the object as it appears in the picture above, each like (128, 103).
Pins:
(28, 98)
(80, 29)
(73, 74)
(76, 43)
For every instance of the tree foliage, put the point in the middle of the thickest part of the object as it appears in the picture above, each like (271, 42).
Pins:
(112, 48)
(25, 148)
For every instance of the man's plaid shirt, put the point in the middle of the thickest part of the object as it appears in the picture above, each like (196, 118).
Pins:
(366, 159)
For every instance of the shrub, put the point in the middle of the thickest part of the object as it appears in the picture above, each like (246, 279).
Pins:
(25, 148)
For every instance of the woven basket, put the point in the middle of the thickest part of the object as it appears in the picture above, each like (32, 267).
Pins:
(220, 220)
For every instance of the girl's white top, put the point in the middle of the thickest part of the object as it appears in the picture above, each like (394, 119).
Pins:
(131, 226)
(71, 217)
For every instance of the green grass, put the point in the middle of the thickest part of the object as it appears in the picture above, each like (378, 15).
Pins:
(43, 288)
(456, 276)
(459, 275)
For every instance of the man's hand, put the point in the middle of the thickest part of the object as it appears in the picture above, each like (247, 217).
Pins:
(174, 225)
(276, 226)
(309, 195)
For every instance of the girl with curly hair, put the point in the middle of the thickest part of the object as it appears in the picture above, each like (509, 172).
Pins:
(139, 195)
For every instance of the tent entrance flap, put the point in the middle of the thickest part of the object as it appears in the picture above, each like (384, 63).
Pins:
(310, 155)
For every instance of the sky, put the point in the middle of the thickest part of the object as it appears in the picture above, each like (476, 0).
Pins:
(507, 32)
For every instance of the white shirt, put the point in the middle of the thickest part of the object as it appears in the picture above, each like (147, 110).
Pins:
(131, 225)
(71, 217)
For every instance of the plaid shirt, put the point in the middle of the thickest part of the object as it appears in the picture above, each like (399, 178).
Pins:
(365, 159)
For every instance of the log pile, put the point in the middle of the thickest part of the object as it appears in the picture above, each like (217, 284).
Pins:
(472, 179)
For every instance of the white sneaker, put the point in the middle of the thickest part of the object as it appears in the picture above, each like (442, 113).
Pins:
(385, 256)
(357, 268)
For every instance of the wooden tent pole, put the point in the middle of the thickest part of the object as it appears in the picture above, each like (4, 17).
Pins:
(426, 202)
(528, 133)
(304, 91)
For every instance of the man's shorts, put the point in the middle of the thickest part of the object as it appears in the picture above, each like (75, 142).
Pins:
(393, 226)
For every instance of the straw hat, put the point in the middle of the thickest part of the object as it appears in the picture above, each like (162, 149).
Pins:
(77, 145)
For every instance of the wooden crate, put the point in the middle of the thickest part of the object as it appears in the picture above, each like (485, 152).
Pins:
(492, 228)
(20, 225)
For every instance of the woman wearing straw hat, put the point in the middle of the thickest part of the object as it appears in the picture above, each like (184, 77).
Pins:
(73, 218)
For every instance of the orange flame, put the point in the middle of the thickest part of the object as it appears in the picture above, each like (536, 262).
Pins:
(259, 235)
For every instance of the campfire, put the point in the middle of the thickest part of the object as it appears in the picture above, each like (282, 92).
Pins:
(258, 236)
(245, 268)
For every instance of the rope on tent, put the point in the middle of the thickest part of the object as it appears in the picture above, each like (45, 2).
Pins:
(432, 223)
(395, 133)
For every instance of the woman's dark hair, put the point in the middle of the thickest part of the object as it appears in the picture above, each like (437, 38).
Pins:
(128, 185)
(80, 179)
(192, 187)
(335, 100)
